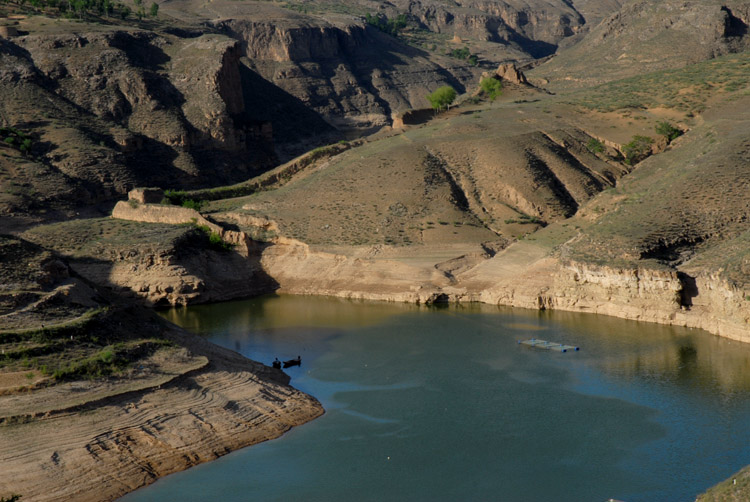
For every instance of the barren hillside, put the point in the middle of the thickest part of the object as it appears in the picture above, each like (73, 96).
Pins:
(298, 140)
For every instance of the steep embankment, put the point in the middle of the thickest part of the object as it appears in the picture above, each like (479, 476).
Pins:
(350, 73)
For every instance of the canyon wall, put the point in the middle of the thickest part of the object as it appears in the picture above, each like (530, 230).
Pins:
(348, 72)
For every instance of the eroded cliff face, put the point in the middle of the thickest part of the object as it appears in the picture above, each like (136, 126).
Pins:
(350, 73)
(183, 93)
(522, 275)
(535, 28)
(665, 296)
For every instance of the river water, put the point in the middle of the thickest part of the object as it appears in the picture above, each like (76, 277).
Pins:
(442, 403)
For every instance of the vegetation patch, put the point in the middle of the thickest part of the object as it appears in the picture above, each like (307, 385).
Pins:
(669, 131)
(109, 361)
(215, 241)
(89, 9)
(390, 26)
(442, 98)
(465, 54)
(491, 87)
(685, 89)
(637, 149)
(525, 219)
(595, 146)
(15, 138)
(97, 346)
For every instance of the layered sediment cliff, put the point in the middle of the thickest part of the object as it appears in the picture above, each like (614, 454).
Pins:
(129, 440)
(521, 276)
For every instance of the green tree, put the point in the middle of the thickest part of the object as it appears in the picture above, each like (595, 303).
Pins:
(492, 87)
(667, 130)
(442, 98)
(25, 146)
(154, 9)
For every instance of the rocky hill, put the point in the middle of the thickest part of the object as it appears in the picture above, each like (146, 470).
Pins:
(215, 93)
(107, 109)
(646, 36)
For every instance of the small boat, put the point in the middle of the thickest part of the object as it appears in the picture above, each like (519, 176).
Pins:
(293, 362)
(544, 344)
(276, 364)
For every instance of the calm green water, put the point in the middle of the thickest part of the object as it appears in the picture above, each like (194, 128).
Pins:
(443, 404)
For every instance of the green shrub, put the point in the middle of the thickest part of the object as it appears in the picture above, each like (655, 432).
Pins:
(638, 149)
(214, 239)
(176, 197)
(25, 146)
(462, 53)
(492, 87)
(669, 131)
(193, 204)
(390, 26)
(595, 146)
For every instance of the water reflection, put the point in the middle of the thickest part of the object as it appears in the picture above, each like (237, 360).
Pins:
(624, 349)
(444, 404)
(273, 312)
(660, 352)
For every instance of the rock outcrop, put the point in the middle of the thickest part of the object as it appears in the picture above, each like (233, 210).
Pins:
(510, 73)
(348, 72)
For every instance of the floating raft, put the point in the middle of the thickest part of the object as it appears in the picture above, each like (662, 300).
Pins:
(544, 344)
